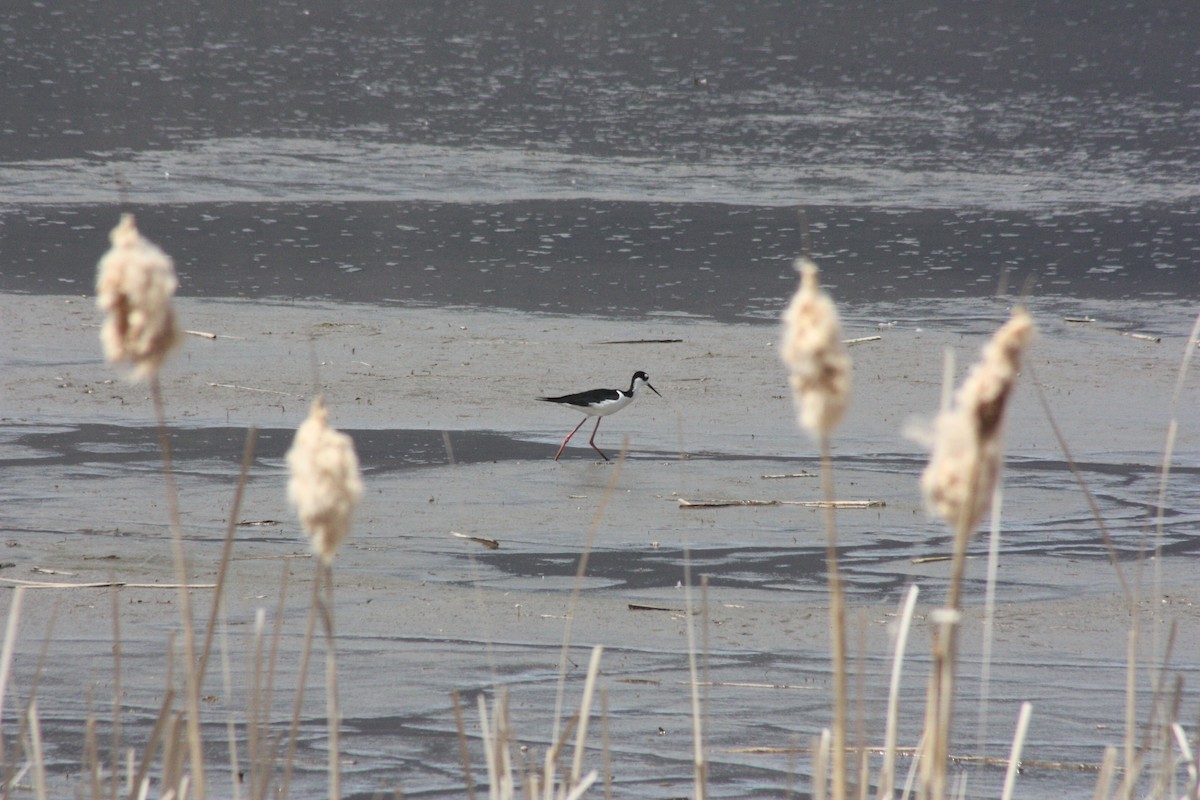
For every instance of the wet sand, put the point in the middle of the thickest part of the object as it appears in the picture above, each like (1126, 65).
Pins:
(421, 613)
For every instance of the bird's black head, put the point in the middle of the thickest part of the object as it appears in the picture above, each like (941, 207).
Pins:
(641, 377)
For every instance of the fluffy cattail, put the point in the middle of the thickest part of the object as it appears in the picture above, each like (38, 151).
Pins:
(325, 484)
(813, 351)
(967, 454)
(135, 282)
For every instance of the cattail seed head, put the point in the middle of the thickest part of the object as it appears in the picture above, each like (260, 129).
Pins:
(325, 484)
(135, 282)
(967, 449)
(813, 352)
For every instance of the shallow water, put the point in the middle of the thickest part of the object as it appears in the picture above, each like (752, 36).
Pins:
(1044, 514)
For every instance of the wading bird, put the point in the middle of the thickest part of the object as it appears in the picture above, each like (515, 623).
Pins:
(599, 403)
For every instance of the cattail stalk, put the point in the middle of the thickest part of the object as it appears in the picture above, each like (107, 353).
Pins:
(813, 351)
(325, 487)
(958, 484)
(135, 282)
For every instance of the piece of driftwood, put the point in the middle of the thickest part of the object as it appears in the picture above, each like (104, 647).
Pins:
(790, 475)
(211, 335)
(490, 544)
(644, 341)
(1143, 337)
(262, 523)
(752, 685)
(644, 607)
(805, 503)
(246, 388)
(861, 340)
(932, 559)
(100, 585)
(990, 761)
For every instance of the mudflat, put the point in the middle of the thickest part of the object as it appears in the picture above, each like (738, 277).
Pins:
(441, 405)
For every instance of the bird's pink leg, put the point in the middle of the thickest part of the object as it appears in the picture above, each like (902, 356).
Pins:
(569, 435)
(592, 441)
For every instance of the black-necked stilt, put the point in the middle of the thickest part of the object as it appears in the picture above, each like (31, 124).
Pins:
(599, 403)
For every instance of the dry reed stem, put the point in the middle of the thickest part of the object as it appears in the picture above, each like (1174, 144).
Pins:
(1108, 767)
(91, 749)
(1014, 756)
(1093, 506)
(605, 745)
(269, 757)
(301, 680)
(1189, 760)
(887, 777)
(463, 753)
(37, 753)
(255, 716)
(161, 723)
(820, 750)
(989, 617)
(118, 693)
(577, 587)
(837, 628)
(585, 712)
(226, 551)
(230, 725)
(135, 282)
(492, 745)
(11, 627)
(1168, 456)
(195, 743)
(939, 704)
(332, 709)
(700, 771)
(1130, 765)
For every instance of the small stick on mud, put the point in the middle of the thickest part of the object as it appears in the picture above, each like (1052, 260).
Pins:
(490, 544)
(805, 503)
(643, 341)
(246, 388)
(101, 585)
(1144, 337)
